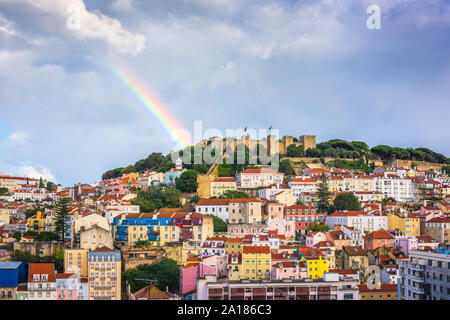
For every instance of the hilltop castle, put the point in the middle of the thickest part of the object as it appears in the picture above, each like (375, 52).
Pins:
(271, 143)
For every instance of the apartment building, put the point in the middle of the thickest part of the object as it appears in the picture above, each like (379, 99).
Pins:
(406, 223)
(254, 178)
(76, 261)
(425, 276)
(41, 283)
(256, 262)
(245, 210)
(216, 207)
(331, 287)
(303, 184)
(104, 267)
(439, 229)
(392, 186)
(360, 220)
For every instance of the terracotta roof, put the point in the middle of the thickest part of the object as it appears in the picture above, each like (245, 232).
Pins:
(213, 202)
(264, 170)
(343, 271)
(63, 275)
(103, 249)
(383, 288)
(347, 213)
(256, 249)
(41, 268)
(151, 293)
(381, 234)
(439, 220)
(237, 200)
(224, 179)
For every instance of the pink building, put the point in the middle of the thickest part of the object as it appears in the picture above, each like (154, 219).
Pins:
(289, 270)
(282, 227)
(190, 274)
(315, 237)
(66, 286)
(268, 191)
(405, 244)
(217, 261)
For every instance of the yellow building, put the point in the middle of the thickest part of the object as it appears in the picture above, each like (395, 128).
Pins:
(104, 268)
(76, 261)
(38, 222)
(180, 252)
(256, 262)
(233, 245)
(381, 292)
(234, 266)
(407, 224)
(316, 266)
(4, 214)
(209, 185)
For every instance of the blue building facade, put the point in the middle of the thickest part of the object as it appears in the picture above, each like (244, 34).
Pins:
(12, 273)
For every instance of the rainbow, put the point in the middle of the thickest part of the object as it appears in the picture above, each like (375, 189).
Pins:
(159, 111)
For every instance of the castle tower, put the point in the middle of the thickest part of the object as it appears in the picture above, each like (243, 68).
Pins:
(285, 143)
(272, 145)
(204, 185)
(308, 142)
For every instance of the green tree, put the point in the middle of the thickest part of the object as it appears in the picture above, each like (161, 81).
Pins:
(219, 224)
(31, 212)
(156, 198)
(346, 201)
(59, 260)
(314, 153)
(4, 191)
(61, 216)
(50, 186)
(41, 183)
(318, 227)
(195, 199)
(295, 151)
(446, 169)
(17, 235)
(323, 194)
(286, 167)
(140, 243)
(233, 194)
(187, 181)
(166, 273)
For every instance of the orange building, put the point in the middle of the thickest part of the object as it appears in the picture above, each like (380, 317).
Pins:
(378, 239)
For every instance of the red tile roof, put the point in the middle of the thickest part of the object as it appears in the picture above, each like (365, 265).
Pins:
(41, 268)
(256, 249)
(213, 202)
(381, 234)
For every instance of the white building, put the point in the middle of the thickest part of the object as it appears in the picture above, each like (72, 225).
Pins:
(425, 276)
(213, 245)
(41, 282)
(216, 207)
(254, 178)
(303, 185)
(392, 186)
(360, 220)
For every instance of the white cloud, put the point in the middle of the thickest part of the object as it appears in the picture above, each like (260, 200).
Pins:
(17, 138)
(33, 172)
(122, 4)
(92, 25)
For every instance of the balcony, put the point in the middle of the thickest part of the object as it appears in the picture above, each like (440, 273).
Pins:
(102, 298)
(103, 288)
(416, 267)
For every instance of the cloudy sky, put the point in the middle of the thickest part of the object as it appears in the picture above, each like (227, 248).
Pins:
(303, 67)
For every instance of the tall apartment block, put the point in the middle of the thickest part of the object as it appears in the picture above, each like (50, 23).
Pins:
(425, 276)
